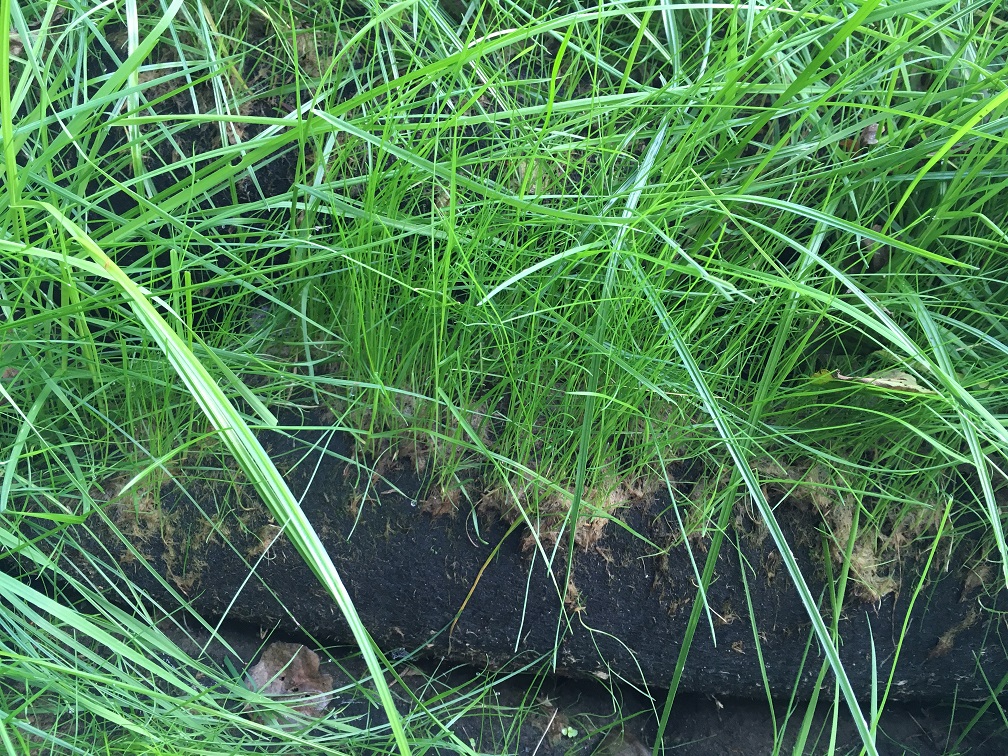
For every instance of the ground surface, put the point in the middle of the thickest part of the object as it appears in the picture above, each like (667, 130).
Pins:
(530, 713)
(410, 572)
(464, 583)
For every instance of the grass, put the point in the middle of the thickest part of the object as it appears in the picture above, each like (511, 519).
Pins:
(562, 246)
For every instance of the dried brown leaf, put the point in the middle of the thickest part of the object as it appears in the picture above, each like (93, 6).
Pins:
(290, 672)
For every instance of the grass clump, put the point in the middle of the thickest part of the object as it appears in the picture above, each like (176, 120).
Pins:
(558, 245)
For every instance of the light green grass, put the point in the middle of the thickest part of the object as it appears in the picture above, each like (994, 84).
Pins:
(565, 246)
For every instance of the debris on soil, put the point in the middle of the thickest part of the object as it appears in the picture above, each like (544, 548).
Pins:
(290, 672)
(622, 743)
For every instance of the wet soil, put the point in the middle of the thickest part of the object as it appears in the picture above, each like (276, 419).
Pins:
(465, 584)
(549, 715)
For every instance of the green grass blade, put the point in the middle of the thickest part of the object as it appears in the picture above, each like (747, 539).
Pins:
(249, 453)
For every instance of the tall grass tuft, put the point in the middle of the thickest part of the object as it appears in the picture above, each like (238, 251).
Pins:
(561, 244)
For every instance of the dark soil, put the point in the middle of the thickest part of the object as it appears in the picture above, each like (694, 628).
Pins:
(624, 613)
(415, 561)
(532, 711)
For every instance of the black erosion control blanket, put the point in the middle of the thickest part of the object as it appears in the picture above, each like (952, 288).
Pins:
(456, 579)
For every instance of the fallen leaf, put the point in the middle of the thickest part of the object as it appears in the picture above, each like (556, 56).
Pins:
(622, 744)
(290, 672)
(865, 139)
(869, 134)
(892, 380)
(14, 44)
